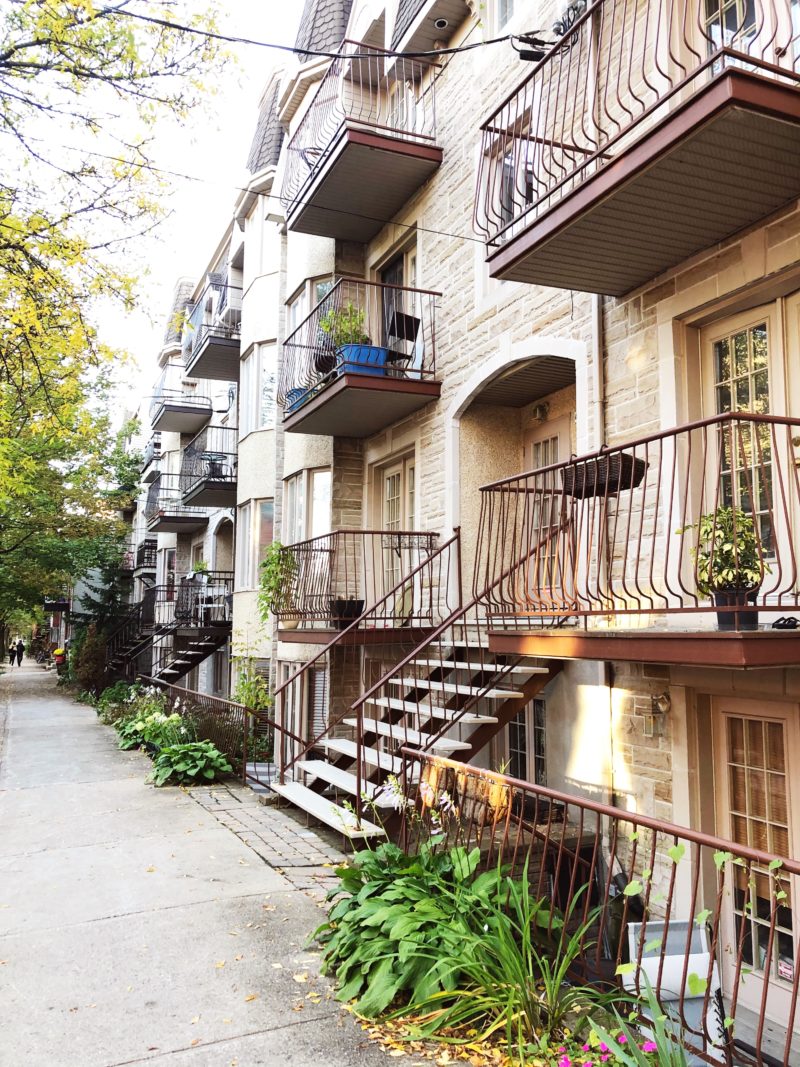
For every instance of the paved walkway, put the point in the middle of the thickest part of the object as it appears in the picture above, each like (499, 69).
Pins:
(151, 926)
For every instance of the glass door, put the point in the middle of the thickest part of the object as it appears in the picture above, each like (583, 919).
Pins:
(550, 565)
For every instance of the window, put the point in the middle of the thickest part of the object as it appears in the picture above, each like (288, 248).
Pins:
(254, 534)
(243, 570)
(257, 391)
(505, 12)
(220, 678)
(304, 300)
(307, 505)
(526, 743)
(266, 513)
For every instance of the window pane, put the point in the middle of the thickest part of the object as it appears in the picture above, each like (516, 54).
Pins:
(243, 578)
(266, 511)
(320, 503)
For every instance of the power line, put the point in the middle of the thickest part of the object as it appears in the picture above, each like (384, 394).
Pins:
(315, 53)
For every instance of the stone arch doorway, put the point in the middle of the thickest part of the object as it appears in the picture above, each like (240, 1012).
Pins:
(223, 546)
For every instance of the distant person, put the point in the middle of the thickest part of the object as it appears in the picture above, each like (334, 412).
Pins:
(12, 654)
(20, 652)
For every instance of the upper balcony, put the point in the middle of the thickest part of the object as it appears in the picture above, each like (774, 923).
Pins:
(363, 359)
(178, 405)
(336, 576)
(128, 559)
(364, 147)
(212, 337)
(165, 511)
(647, 133)
(147, 554)
(208, 468)
(151, 459)
(676, 548)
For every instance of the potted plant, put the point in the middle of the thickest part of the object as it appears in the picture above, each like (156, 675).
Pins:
(729, 564)
(354, 348)
(276, 581)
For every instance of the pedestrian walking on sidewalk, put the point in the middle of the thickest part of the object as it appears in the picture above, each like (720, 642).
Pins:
(12, 654)
(20, 652)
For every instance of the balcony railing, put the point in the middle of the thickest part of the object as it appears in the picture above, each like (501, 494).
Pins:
(147, 554)
(209, 458)
(656, 527)
(364, 88)
(164, 499)
(338, 574)
(217, 314)
(128, 558)
(152, 451)
(706, 921)
(616, 69)
(387, 332)
(204, 600)
(171, 389)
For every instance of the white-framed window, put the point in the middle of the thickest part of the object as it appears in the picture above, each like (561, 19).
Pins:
(306, 505)
(254, 534)
(504, 13)
(300, 305)
(526, 743)
(257, 390)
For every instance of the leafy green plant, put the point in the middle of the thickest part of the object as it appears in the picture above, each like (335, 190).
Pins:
(727, 554)
(511, 980)
(200, 566)
(345, 326)
(631, 1050)
(190, 762)
(252, 687)
(276, 580)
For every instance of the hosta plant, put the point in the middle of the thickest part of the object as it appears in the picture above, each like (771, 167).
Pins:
(191, 762)
(156, 729)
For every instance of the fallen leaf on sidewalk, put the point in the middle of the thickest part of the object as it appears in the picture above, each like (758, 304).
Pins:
(196, 1019)
(268, 907)
(300, 977)
(239, 957)
(150, 870)
(251, 996)
(196, 1041)
(220, 963)
(278, 966)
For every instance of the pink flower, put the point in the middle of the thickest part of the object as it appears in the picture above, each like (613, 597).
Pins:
(606, 1057)
(649, 1046)
(565, 1061)
(586, 1047)
(603, 1046)
(622, 1039)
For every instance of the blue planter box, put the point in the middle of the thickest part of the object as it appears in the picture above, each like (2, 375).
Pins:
(362, 359)
(295, 398)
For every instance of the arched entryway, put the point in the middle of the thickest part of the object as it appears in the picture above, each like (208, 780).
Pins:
(223, 546)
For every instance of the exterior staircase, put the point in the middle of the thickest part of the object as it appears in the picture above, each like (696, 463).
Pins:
(449, 695)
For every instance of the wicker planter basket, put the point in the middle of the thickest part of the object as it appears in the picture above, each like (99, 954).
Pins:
(603, 475)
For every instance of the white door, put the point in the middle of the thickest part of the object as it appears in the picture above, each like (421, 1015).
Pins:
(550, 568)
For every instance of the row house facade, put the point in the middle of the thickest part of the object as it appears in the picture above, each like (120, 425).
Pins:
(517, 361)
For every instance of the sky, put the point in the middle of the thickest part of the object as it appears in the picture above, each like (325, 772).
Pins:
(213, 147)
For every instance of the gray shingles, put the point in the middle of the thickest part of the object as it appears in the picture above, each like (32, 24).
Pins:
(266, 146)
(180, 302)
(407, 11)
(323, 24)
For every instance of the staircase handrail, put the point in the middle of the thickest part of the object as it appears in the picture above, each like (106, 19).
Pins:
(455, 539)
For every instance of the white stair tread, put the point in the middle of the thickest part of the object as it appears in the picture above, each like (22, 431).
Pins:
(410, 737)
(346, 781)
(331, 814)
(429, 710)
(344, 747)
(455, 664)
(454, 687)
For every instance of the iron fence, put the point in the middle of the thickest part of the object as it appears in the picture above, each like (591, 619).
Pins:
(210, 457)
(165, 500)
(216, 313)
(147, 554)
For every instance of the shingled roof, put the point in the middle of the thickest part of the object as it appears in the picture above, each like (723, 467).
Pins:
(323, 24)
(180, 301)
(407, 11)
(266, 146)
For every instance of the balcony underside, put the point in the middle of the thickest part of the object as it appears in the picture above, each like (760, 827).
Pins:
(767, 648)
(171, 523)
(216, 358)
(389, 635)
(210, 493)
(181, 418)
(722, 161)
(363, 183)
(359, 405)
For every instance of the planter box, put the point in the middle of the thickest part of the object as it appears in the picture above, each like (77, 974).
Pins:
(362, 359)
(747, 619)
(603, 475)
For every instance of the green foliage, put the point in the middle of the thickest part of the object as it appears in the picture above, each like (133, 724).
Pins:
(88, 661)
(276, 580)
(345, 326)
(157, 729)
(191, 762)
(727, 554)
(632, 1051)
(252, 687)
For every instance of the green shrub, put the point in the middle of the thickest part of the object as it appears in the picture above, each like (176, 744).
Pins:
(192, 762)
(87, 661)
(157, 728)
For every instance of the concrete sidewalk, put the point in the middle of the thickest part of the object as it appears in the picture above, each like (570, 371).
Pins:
(144, 926)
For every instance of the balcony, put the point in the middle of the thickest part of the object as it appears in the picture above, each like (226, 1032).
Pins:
(178, 405)
(165, 511)
(146, 554)
(212, 339)
(208, 469)
(676, 548)
(363, 359)
(337, 576)
(128, 559)
(204, 600)
(647, 133)
(151, 458)
(364, 147)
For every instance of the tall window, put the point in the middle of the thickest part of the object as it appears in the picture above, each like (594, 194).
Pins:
(257, 390)
(526, 743)
(254, 534)
(243, 578)
(307, 505)
(505, 12)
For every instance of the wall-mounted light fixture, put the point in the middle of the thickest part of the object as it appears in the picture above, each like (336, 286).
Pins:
(660, 705)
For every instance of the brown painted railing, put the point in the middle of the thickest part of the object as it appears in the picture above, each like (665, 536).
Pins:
(431, 589)
(210, 457)
(626, 544)
(359, 327)
(364, 88)
(614, 71)
(337, 574)
(165, 498)
(691, 913)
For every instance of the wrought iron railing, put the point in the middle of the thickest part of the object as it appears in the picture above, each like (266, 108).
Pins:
(364, 88)
(336, 575)
(174, 389)
(206, 599)
(152, 451)
(165, 499)
(708, 922)
(691, 520)
(615, 70)
(128, 557)
(217, 313)
(359, 327)
(147, 554)
(210, 457)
